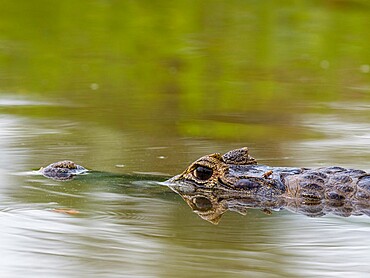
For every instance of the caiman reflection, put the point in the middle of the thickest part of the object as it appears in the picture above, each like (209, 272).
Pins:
(217, 183)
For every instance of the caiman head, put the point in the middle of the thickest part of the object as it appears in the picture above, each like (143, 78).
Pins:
(216, 183)
(198, 184)
(212, 171)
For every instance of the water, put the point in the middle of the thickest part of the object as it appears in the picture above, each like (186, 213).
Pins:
(136, 91)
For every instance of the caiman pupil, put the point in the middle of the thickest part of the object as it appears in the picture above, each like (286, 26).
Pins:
(203, 173)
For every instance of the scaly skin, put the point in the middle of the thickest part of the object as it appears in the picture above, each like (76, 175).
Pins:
(62, 170)
(236, 176)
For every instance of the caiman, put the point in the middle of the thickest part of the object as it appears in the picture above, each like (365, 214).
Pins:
(235, 181)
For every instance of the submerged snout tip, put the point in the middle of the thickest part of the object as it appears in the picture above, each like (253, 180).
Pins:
(170, 181)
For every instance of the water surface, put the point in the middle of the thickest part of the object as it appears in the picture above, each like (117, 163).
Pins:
(137, 91)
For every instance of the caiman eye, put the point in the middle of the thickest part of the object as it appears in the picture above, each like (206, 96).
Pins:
(203, 173)
(202, 203)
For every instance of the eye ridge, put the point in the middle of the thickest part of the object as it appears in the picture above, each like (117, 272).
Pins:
(203, 172)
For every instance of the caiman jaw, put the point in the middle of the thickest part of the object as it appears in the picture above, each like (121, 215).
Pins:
(177, 184)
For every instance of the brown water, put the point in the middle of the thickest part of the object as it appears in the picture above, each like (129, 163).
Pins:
(140, 89)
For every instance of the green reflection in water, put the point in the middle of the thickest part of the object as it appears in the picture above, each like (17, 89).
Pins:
(166, 64)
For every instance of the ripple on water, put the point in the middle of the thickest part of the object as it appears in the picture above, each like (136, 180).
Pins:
(126, 234)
